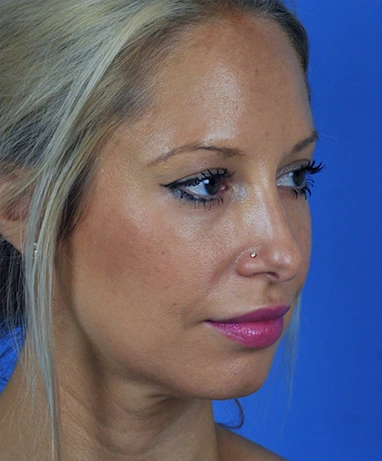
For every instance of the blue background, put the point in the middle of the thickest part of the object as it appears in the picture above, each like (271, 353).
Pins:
(335, 413)
(336, 410)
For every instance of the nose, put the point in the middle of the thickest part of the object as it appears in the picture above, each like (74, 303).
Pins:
(276, 237)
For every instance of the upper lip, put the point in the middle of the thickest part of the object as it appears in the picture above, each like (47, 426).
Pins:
(258, 315)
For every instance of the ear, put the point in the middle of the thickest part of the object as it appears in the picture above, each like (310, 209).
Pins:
(13, 213)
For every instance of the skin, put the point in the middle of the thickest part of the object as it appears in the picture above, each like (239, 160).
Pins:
(143, 270)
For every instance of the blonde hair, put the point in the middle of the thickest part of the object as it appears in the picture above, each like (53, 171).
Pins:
(71, 72)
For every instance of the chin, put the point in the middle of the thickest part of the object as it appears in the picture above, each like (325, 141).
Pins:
(245, 377)
(234, 390)
(230, 383)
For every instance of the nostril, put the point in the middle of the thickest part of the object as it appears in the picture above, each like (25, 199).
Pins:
(270, 261)
(249, 262)
(287, 263)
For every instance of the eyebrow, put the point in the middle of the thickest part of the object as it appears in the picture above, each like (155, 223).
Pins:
(306, 142)
(226, 152)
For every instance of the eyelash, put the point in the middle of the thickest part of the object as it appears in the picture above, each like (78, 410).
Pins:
(178, 187)
(209, 175)
(308, 170)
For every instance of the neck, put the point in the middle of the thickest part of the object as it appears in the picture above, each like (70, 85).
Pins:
(137, 427)
(105, 419)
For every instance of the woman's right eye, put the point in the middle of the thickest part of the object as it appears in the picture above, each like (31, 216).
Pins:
(208, 187)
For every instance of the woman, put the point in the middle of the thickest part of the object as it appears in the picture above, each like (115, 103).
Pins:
(156, 157)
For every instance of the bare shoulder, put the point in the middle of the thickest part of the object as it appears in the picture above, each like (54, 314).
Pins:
(233, 447)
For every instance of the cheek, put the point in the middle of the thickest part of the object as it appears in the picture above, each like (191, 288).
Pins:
(304, 232)
(299, 219)
(142, 252)
(138, 283)
(126, 259)
(153, 255)
(141, 262)
(126, 277)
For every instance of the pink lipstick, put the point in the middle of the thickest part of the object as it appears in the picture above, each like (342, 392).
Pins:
(258, 329)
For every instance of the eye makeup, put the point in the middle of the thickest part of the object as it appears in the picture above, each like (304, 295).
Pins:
(210, 186)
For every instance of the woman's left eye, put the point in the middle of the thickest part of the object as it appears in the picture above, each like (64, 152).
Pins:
(207, 187)
(300, 180)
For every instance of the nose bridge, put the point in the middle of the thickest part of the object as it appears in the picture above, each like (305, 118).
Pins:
(268, 226)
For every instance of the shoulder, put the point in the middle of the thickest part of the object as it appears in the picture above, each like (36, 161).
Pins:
(235, 447)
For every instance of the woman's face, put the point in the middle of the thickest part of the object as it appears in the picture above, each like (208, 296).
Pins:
(181, 199)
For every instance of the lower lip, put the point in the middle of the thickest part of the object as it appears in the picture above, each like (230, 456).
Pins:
(255, 335)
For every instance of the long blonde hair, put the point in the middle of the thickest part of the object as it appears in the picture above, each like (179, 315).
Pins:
(71, 71)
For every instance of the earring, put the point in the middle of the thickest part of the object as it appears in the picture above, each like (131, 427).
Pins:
(34, 249)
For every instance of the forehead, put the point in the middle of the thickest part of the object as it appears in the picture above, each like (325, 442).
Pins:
(246, 49)
(241, 41)
(228, 81)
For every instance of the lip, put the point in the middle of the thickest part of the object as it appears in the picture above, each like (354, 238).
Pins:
(258, 315)
(258, 329)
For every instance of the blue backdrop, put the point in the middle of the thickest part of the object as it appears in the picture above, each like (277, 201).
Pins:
(336, 410)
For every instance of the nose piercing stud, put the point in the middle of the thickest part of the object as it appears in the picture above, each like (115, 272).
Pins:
(253, 255)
